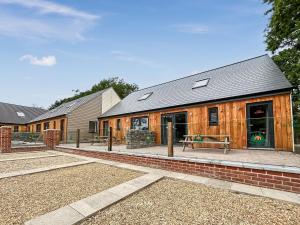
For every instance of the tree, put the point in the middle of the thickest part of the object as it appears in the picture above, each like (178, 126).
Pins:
(283, 40)
(119, 85)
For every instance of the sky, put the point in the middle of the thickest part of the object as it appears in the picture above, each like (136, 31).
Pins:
(50, 48)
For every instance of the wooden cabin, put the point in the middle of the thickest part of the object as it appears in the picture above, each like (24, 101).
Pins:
(248, 100)
(80, 114)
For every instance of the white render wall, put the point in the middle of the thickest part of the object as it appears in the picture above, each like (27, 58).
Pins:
(109, 99)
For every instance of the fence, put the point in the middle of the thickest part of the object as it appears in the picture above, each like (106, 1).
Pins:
(255, 133)
(26, 139)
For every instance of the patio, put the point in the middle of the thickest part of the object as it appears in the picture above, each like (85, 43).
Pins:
(265, 157)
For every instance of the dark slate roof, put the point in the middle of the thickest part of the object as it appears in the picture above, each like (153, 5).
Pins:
(68, 107)
(9, 113)
(250, 77)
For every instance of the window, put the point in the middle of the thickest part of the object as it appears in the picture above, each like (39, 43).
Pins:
(16, 128)
(145, 96)
(200, 83)
(46, 126)
(21, 114)
(70, 105)
(54, 124)
(118, 124)
(213, 116)
(139, 123)
(92, 126)
(38, 128)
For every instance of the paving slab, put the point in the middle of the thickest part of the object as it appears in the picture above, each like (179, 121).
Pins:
(38, 170)
(63, 216)
(77, 211)
(246, 189)
(29, 157)
(276, 194)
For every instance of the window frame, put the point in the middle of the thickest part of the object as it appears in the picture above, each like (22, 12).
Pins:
(94, 127)
(38, 128)
(16, 129)
(139, 118)
(46, 125)
(206, 79)
(145, 96)
(210, 111)
(118, 125)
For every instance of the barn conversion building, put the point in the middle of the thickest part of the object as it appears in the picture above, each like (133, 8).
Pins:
(18, 116)
(248, 100)
(80, 114)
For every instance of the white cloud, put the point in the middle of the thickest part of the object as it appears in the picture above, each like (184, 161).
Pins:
(123, 56)
(47, 7)
(44, 61)
(68, 24)
(190, 28)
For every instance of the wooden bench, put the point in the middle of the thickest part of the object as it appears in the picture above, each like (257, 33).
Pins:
(207, 139)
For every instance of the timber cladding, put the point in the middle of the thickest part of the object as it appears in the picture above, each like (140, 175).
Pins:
(232, 120)
(54, 123)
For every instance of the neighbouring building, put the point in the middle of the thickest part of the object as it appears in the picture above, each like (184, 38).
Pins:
(248, 100)
(80, 114)
(17, 116)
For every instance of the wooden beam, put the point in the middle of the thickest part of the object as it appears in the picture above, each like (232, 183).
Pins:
(110, 139)
(78, 138)
(170, 140)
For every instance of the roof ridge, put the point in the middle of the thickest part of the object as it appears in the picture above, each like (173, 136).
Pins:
(32, 107)
(220, 67)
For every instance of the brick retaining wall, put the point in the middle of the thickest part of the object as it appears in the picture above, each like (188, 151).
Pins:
(29, 148)
(256, 177)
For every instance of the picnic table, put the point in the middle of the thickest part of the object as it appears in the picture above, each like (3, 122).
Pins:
(99, 139)
(207, 139)
(104, 140)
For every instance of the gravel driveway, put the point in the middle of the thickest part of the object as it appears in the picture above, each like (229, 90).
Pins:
(26, 164)
(176, 202)
(25, 197)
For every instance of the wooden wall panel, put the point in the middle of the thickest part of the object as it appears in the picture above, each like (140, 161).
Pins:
(232, 120)
(51, 124)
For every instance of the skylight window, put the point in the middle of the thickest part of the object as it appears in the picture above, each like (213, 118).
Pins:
(201, 83)
(21, 114)
(145, 96)
(69, 106)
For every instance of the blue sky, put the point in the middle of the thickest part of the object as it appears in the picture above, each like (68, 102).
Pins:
(49, 48)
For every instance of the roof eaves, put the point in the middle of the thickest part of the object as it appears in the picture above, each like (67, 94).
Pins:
(204, 102)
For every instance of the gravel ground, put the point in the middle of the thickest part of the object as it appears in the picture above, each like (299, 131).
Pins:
(26, 164)
(23, 154)
(176, 202)
(25, 197)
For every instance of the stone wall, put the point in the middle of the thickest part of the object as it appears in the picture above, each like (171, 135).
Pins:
(140, 139)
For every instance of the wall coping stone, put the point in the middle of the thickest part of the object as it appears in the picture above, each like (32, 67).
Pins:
(277, 168)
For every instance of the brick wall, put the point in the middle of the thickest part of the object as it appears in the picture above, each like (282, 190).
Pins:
(256, 177)
(51, 138)
(29, 148)
(5, 139)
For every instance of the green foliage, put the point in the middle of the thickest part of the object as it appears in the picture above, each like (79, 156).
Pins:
(120, 86)
(283, 40)
(288, 62)
(283, 30)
